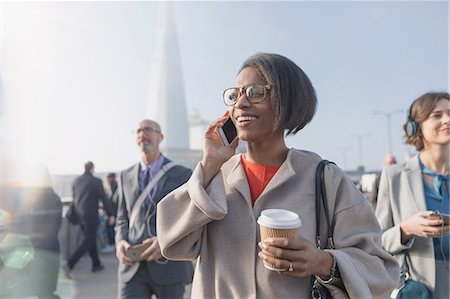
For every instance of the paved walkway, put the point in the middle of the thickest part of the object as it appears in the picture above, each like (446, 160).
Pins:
(88, 285)
(84, 283)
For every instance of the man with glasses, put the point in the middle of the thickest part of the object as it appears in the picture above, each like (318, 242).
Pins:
(141, 187)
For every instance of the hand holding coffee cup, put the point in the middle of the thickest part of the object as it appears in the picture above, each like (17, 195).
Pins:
(278, 223)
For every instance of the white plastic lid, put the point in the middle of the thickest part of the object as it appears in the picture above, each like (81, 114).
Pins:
(279, 218)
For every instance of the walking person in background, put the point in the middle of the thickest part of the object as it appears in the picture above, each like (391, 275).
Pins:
(87, 191)
(111, 193)
(410, 192)
(212, 218)
(141, 187)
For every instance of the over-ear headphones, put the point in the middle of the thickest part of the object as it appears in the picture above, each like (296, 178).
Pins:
(412, 127)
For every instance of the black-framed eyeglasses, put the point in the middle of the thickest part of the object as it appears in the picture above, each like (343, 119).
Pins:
(255, 93)
(147, 130)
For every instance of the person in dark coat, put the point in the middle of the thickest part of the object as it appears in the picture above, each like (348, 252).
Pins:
(110, 189)
(87, 191)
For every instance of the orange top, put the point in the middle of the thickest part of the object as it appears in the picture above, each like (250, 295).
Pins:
(258, 176)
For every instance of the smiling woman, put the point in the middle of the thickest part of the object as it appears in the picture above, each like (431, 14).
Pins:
(213, 216)
(409, 194)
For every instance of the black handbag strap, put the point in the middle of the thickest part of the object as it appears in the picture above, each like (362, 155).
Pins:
(321, 199)
(404, 269)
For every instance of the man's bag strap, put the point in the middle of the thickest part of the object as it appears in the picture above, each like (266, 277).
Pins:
(151, 184)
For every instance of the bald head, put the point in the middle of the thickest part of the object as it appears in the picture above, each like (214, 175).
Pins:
(389, 160)
(151, 124)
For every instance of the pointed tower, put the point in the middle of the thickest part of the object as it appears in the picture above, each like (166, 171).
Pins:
(167, 102)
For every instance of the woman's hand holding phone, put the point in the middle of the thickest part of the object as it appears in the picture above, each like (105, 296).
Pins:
(422, 225)
(215, 152)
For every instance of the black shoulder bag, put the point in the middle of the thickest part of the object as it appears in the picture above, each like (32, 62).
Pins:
(72, 214)
(318, 291)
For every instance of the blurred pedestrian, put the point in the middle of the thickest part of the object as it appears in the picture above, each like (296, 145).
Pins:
(141, 187)
(111, 192)
(212, 218)
(31, 212)
(410, 192)
(87, 192)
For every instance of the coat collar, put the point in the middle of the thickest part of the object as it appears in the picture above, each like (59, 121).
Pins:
(131, 179)
(236, 177)
(415, 182)
(283, 174)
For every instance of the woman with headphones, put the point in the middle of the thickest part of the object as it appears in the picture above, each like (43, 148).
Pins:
(410, 194)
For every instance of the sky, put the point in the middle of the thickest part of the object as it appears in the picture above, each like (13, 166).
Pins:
(75, 75)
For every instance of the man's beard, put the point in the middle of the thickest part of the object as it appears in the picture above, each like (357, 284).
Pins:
(147, 147)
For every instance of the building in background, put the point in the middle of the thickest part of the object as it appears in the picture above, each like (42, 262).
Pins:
(167, 101)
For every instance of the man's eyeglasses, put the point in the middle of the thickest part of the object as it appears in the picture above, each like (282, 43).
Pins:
(255, 93)
(147, 130)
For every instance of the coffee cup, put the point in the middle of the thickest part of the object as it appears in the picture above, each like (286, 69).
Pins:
(278, 223)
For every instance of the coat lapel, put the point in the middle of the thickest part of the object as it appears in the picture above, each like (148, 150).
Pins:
(283, 174)
(238, 180)
(132, 180)
(415, 182)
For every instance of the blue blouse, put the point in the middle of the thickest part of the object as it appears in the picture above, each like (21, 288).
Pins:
(437, 199)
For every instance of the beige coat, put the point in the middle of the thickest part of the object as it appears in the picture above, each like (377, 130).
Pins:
(217, 226)
(401, 195)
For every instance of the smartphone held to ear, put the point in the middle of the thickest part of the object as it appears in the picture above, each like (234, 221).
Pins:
(228, 132)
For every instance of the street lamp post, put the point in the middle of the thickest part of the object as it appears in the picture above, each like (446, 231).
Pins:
(344, 157)
(360, 149)
(388, 119)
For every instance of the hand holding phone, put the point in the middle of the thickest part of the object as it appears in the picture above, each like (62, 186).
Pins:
(228, 132)
(134, 252)
(437, 215)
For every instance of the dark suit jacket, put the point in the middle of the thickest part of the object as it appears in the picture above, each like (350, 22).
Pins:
(87, 191)
(168, 272)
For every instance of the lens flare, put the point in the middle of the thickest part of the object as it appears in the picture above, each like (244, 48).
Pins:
(16, 251)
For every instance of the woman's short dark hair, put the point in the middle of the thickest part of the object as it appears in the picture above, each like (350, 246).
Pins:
(292, 94)
(419, 111)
